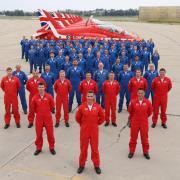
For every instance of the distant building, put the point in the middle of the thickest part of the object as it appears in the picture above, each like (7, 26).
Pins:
(160, 13)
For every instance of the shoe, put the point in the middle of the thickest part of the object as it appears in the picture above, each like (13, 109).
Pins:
(53, 111)
(106, 124)
(98, 170)
(6, 126)
(37, 152)
(147, 156)
(153, 125)
(130, 155)
(164, 126)
(67, 124)
(70, 109)
(114, 124)
(18, 125)
(56, 125)
(119, 110)
(25, 111)
(30, 125)
(80, 170)
(53, 152)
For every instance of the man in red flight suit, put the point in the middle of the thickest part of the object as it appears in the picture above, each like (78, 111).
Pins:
(11, 85)
(62, 88)
(161, 86)
(32, 87)
(139, 109)
(111, 89)
(89, 116)
(86, 85)
(43, 104)
(137, 82)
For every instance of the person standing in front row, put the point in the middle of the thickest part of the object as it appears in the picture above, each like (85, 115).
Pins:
(11, 85)
(140, 109)
(62, 88)
(111, 89)
(42, 105)
(161, 85)
(89, 116)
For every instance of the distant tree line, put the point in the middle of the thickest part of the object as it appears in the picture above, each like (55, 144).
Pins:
(96, 12)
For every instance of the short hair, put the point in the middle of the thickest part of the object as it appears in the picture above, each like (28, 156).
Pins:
(8, 69)
(141, 89)
(41, 84)
(125, 64)
(88, 72)
(61, 71)
(90, 92)
(162, 69)
(138, 70)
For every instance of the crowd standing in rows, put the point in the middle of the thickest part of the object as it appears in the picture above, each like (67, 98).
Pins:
(96, 71)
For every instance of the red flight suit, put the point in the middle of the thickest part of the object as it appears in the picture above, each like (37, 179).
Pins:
(89, 120)
(43, 106)
(160, 98)
(84, 87)
(139, 114)
(32, 87)
(11, 87)
(62, 90)
(110, 93)
(134, 85)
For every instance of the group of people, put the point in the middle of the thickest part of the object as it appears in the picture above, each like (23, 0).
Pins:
(97, 71)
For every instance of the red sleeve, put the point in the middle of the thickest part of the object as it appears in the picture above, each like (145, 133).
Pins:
(55, 87)
(150, 109)
(81, 87)
(69, 86)
(145, 84)
(170, 85)
(130, 110)
(79, 115)
(2, 84)
(153, 84)
(95, 88)
(51, 103)
(130, 85)
(32, 107)
(104, 87)
(28, 85)
(118, 88)
(101, 115)
(43, 81)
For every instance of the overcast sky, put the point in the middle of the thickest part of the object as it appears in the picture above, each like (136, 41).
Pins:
(52, 5)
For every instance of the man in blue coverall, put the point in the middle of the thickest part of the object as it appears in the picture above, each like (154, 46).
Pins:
(32, 58)
(23, 79)
(75, 75)
(49, 79)
(22, 47)
(100, 76)
(116, 68)
(136, 64)
(145, 59)
(124, 78)
(52, 62)
(149, 76)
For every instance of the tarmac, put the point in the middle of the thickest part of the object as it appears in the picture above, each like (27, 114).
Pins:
(17, 145)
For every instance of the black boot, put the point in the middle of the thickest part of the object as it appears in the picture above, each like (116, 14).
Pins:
(147, 156)
(18, 125)
(164, 126)
(106, 124)
(25, 111)
(56, 125)
(6, 126)
(153, 125)
(130, 155)
(80, 170)
(119, 110)
(67, 124)
(30, 125)
(53, 152)
(114, 124)
(98, 170)
(37, 152)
